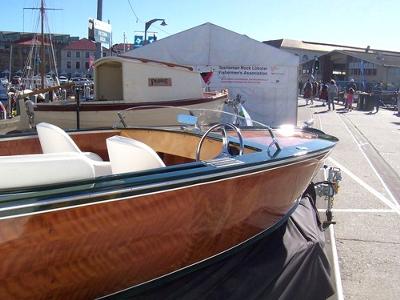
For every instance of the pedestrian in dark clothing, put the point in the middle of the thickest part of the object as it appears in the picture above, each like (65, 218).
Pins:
(324, 94)
(377, 92)
(315, 91)
(300, 86)
(307, 91)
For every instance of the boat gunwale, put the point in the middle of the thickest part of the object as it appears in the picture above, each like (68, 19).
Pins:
(117, 105)
(210, 175)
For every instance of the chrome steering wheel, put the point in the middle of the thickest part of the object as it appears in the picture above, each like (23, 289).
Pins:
(225, 139)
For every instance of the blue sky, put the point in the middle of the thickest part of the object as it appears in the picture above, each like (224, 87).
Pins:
(348, 22)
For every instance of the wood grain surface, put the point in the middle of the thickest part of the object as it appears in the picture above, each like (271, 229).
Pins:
(90, 251)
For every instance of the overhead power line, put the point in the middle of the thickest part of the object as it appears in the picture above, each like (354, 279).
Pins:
(137, 18)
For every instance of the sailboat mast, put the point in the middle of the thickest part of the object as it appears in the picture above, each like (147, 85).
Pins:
(42, 9)
(42, 66)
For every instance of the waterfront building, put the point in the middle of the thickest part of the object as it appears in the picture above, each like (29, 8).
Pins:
(20, 43)
(343, 63)
(77, 58)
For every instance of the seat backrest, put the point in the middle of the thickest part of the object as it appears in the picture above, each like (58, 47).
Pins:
(129, 155)
(55, 140)
(39, 169)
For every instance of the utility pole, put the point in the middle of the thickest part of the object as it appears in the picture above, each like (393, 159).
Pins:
(42, 9)
(99, 17)
(110, 42)
(124, 43)
(9, 69)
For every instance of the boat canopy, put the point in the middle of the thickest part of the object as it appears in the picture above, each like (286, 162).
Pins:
(140, 80)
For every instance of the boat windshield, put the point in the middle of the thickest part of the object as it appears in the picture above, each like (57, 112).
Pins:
(198, 120)
(172, 116)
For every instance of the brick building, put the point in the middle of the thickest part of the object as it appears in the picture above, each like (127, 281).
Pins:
(77, 58)
(21, 44)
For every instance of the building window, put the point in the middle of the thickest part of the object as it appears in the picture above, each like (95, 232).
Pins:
(78, 54)
(104, 54)
(86, 65)
(87, 54)
(68, 53)
(77, 65)
(68, 65)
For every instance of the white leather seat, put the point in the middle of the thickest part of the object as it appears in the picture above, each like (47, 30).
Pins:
(39, 169)
(129, 155)
(55, 140)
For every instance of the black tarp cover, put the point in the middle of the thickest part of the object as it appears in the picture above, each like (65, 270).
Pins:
(288, 264)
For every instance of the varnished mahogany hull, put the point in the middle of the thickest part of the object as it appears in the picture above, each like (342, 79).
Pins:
(93, 250)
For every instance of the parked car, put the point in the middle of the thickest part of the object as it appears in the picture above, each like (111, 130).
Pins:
(63, 80)
(4, 81)
(76, 80)
(81, 81)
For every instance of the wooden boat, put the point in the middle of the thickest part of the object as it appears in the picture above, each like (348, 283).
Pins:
(121, 83)
(160, 202)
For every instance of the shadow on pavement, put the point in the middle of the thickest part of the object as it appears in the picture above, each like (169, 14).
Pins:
(342, 110)
(321, 112)
(371, 113)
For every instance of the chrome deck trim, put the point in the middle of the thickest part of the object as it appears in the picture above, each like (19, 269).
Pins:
(249, 171)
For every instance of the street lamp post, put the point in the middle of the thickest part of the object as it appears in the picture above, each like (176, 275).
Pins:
(147, 26)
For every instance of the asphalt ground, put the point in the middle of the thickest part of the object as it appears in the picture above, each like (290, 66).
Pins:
(364, 245)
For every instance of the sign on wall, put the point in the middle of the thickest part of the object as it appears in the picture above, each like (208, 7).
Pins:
(248, 75)
(265, 89)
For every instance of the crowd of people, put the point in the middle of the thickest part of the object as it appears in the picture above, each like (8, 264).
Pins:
(327, 92)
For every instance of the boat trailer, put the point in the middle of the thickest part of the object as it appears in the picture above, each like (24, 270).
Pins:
(328, 189)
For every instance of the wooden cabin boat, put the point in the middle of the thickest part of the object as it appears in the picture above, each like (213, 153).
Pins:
(86, 214)
(121, 83)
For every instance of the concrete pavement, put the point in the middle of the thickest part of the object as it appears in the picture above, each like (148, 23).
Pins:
(367, 210)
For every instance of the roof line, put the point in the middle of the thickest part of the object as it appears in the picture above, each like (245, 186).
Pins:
(350, 54)
(328, 44)
(145, 60)
(337, 45)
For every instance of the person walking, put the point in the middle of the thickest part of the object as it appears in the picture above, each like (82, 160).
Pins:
(30, 111)
(314, 91)
(377, 92)
(350, 97)
(332, 93)
(300, 86)
(350, 85)
(307, 91)
(324, 94)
